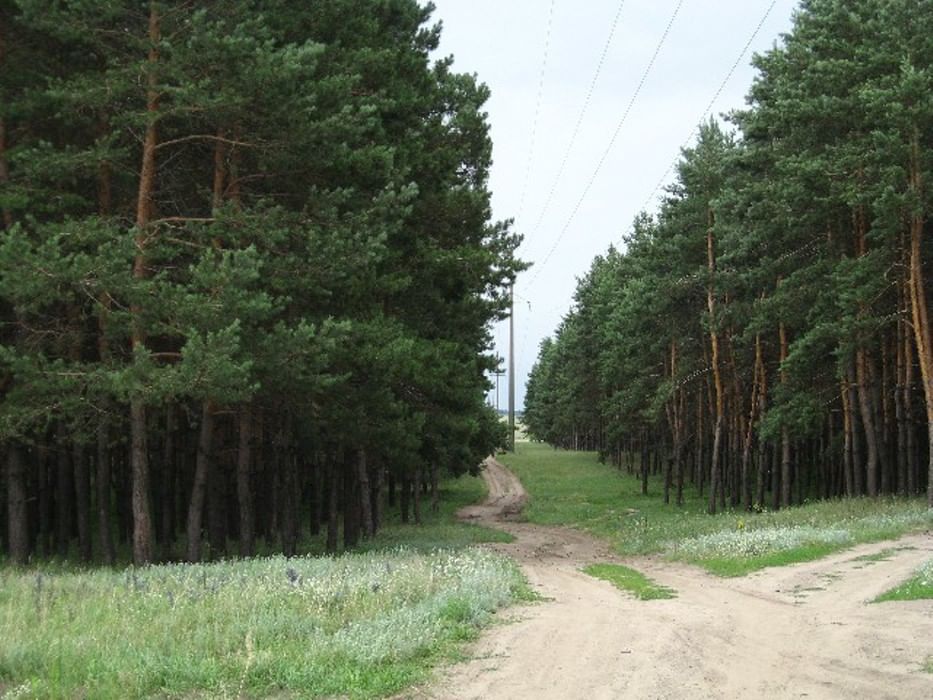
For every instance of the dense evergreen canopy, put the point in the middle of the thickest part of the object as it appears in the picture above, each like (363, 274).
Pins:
(768, 328)
(247, 269)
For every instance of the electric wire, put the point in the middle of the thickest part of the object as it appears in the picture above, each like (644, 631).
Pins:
(537, 113)
(705, 114)
(576, 129)
(602, 160)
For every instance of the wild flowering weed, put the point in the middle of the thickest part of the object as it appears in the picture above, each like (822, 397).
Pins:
(226, 625)
(749, 543)
(924, 575)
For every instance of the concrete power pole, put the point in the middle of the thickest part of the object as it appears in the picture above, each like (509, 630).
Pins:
(512, 366)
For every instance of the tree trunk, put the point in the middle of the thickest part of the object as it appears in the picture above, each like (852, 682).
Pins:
(244, 489)
(435, 495)
(64, 492)
(142, 518)
(217, 495)
(868, 422)
(417, 496)
(17, 511)
(366, 510)
(405, 500)
(351, 507)
(899, 412)
(918, 304)
(82, 479)
(378, 486)
(785, 435)
(333, 497)
(167, 490)
(848, 435)
(103, 476)
(199, 483)
(315, 502)
(715, 466)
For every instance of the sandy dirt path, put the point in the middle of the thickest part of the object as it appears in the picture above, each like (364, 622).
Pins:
(802, 631)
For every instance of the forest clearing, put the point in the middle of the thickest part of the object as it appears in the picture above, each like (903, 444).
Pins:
(804, 630)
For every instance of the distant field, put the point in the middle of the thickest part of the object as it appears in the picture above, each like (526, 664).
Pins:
(357, 625)
(573, 488)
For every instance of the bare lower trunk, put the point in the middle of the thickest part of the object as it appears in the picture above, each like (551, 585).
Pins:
(82, 501)
(64, 492)
(17, 512)
(139, 459)
(847, 454)
(435, 496)
(714, 478)
(105, 534)
(366, 511)
(243, 488)
(417, 496)
(199, 483)
(167, 489)
(868, 422)
(333, 497)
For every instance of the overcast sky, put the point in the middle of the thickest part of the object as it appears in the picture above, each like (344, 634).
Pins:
(628, 142)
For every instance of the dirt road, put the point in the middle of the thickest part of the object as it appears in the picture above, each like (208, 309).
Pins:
(803, 631)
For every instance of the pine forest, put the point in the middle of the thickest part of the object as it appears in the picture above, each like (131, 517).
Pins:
(246, 271)
(765, 335)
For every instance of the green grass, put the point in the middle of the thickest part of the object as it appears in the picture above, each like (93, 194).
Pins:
(359, 625)
(917, 587)
(630, 580)
(573, 488)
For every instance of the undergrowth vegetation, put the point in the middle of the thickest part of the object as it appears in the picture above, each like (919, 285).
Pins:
(574, 488)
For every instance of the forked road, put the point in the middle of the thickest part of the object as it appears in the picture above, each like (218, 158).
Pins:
(802, 631)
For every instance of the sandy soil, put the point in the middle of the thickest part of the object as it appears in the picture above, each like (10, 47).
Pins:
(802, 631)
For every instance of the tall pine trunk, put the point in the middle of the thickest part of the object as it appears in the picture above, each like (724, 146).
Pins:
(139, 457)
(715, 465)
(785, 434)
(918, 304)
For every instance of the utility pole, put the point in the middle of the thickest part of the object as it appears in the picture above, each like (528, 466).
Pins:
(498, 374)
(512, 366)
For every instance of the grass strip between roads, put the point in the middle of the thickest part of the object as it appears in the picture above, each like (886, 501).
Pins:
(627, 579)
(575, 489)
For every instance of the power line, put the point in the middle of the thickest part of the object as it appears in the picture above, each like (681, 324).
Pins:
(608, 150)
(534, 125)
(706, 112)
(583, 111)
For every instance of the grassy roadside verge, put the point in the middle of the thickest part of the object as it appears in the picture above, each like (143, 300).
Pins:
(568, 488)
(917, 587)
(360, 625)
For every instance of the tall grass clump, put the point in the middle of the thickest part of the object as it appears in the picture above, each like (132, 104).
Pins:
(360, 625)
